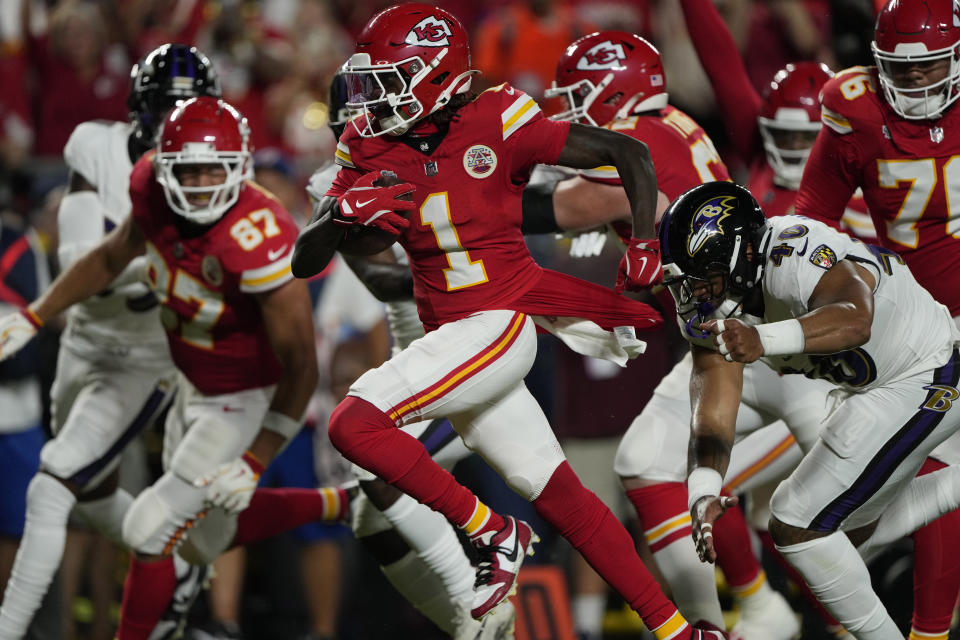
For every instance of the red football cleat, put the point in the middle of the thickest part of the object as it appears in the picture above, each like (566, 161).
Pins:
(501, 554)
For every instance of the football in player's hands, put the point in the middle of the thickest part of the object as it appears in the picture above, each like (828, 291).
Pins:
(372, 233)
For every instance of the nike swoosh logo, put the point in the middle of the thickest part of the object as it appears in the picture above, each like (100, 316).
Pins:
(227, 409)
(512, 556)
(274, 255)
(359, 204)
(643, 264)
(804, 250)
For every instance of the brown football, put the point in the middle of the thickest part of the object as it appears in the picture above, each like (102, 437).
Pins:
(366, 241)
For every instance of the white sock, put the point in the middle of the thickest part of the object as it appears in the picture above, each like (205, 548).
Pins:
(106, 514)
(588, 613)
(423, 589)
(754, 596)
(692, 583)
(925, 499)
(839, 578)
(48, 507)
(430, 535)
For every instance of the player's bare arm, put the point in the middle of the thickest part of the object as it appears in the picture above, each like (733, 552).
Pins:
(715, 389)
(580, 204)
(93, 272)
(318, 241)
(588, 147)
(288, 320)
(841, 313)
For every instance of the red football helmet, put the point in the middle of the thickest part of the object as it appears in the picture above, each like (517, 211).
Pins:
(203, 131)
(790, 118)
(410, 60)
(918, 32)
(607, 75)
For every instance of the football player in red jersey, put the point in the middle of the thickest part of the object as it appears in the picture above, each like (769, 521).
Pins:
(889, 133)
(239, 327)
(616, 80)
(772, 134)
(466, 159)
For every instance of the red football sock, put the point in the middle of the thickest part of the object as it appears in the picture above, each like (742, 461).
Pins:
(368, 437)
(735, 549)
(663, 506)
(828, 620)
(273, 511)
(936, 569)
(147, 591)
(588, 525)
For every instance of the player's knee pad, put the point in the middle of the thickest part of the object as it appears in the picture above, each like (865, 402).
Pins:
(653, 448)
(529, 478)
(161, 514)
(205, 445)
(367, 520)
(84, 465)
(49, 501)
(788, 505)
(210, 538)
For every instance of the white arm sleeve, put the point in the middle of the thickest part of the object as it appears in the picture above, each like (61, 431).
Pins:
(79, 225)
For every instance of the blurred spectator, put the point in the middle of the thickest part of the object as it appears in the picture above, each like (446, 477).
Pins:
(80, 74)
(632, 16)
(149, 23)
(296, 106)
(522, 42)
(23, 276)
(16, 121)
(249, 57)
(772, 33)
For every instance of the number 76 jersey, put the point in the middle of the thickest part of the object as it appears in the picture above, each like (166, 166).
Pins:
(207, 282)
(909, 171)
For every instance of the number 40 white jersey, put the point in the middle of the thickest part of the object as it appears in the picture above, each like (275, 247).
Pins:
(911, 331)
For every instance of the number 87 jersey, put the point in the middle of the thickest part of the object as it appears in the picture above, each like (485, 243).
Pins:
(464, 242)
(908, 170)
(207, 279)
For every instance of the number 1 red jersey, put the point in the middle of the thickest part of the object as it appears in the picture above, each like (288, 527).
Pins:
(206, 283)
(909, 172)
(464, 242)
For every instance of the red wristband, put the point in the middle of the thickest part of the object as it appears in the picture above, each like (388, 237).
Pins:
(253, 462)
(32, 318)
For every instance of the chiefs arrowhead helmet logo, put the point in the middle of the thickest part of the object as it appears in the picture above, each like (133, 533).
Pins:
(604, 55)
(429, 32)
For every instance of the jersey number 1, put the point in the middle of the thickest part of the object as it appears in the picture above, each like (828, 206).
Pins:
(462, 272)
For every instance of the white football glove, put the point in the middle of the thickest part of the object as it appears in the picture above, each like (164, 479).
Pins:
(231, 485)
(16, 330)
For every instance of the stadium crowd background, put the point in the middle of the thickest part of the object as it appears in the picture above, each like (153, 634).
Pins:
(65, 62)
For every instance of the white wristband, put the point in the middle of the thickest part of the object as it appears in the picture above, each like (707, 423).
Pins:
(281, 423)
(703, 481)
(784, 338)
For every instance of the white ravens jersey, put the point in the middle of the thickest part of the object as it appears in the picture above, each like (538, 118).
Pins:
(122, 321)
(911, 331)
